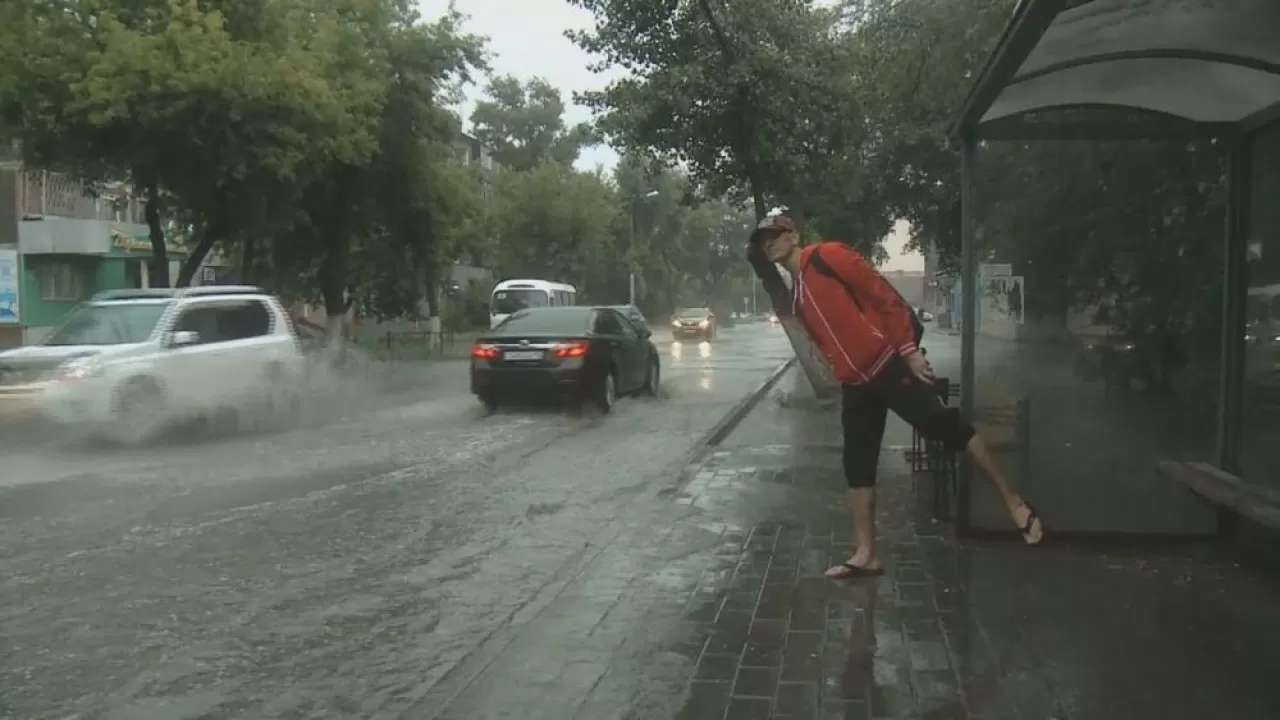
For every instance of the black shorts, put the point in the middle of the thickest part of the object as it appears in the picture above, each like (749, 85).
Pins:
(864, 409)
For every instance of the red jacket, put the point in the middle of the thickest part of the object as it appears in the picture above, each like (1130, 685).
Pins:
(858, 341)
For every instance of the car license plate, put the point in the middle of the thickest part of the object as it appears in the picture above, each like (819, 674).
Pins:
(522, 355)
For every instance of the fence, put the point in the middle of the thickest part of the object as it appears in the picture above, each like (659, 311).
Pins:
(421, 344)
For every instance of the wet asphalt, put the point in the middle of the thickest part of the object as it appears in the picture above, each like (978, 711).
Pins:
(340, 570)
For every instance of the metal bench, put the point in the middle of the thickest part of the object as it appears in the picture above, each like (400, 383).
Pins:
(919, 455)
(929, 457)
(1259, 504)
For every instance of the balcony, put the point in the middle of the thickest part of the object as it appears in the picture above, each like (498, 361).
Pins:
(44, 194)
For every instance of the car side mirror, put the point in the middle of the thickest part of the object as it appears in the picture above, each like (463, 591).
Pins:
(646, 333)
(183, 338)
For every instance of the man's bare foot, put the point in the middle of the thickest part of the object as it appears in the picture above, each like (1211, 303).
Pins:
(1028, 522)
(855, 567)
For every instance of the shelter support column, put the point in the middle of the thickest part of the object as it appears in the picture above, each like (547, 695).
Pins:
(968, 316)
(1235, 289)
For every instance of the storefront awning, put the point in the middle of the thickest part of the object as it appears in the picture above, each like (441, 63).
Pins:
(1128, 68)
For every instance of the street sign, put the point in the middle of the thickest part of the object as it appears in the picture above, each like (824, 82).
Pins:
(990, 271)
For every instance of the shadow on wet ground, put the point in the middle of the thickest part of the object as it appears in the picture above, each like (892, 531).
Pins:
(953, 630)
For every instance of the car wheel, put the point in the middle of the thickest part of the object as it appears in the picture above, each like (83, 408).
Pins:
(607, 391)
(653, 380)
(489, 402)
(137, 412)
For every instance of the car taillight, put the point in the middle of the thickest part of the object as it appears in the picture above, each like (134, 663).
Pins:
(484, 352)
(570, 350)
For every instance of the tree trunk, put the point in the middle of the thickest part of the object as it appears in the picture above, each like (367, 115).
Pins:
(159, 270)
(433, 290)
(248, 261)
(814, 365)
(215, 229)
(333, 288)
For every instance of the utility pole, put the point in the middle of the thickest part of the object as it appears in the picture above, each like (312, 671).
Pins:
(631, 273)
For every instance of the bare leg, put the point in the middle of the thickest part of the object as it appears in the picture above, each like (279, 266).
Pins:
(1018, 509)
(862, 503)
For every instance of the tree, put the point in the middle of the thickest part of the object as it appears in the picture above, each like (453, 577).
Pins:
(427, 203)
(168, 95)
(752, 96)
(523, 124)
(916, 61)
(553, 222)
(382, 214)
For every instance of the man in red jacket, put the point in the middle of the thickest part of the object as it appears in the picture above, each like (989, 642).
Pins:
(866, 331)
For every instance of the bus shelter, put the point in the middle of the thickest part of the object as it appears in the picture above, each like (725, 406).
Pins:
(1089, 404)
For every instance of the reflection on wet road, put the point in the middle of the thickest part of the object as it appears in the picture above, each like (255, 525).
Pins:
(696, 357)
(344, 570)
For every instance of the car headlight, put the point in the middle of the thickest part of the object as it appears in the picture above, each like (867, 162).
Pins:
(704, 323)
(675, 323)
(79, 369)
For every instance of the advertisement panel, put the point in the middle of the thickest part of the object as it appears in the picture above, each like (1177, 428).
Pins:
(10, 311)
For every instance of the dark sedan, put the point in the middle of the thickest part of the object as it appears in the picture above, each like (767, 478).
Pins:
(579, 353)
(632, 313)
(694, 323)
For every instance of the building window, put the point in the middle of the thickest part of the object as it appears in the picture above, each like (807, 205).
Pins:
(60, 281)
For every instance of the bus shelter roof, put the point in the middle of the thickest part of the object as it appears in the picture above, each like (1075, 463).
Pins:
(1099, 69)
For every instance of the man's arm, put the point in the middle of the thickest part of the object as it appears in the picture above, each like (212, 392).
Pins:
(871, 287)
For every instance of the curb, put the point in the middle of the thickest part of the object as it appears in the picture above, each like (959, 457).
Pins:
(735, 416)
(716, 435)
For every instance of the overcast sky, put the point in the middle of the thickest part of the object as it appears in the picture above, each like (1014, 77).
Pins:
(526, 39)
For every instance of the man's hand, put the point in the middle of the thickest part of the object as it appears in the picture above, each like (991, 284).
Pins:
(920, 367)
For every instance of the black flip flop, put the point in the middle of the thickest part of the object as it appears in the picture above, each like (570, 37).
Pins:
(856, 572)
(1032, 519)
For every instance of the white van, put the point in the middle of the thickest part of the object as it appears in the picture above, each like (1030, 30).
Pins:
(512, 295)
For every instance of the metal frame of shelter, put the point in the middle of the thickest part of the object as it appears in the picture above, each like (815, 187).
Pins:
(1129, 70)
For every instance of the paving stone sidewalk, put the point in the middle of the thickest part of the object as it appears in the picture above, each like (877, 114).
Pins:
(955, 630)
(707, 602)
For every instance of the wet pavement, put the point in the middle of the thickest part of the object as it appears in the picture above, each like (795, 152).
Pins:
(346, 570)
(423, 562)
(990, 630)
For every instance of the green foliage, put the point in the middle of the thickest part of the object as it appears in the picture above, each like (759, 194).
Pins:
(552, 222)
(313, 142)
(523, 124)
(756, 97)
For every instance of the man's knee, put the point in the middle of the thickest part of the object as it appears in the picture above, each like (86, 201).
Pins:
(946, 427)
(860, 480)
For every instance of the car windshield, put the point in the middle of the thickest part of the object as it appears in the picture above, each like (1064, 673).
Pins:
(509, 301)
(547, 321)
(692, 313)
(109, 324)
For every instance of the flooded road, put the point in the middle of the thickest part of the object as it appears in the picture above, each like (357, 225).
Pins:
(333, 571)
